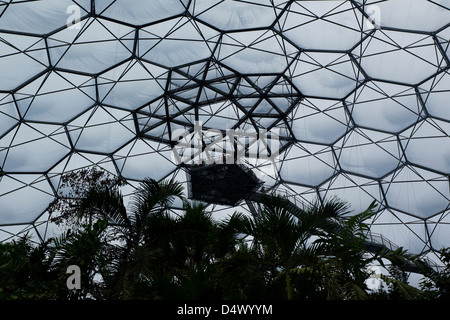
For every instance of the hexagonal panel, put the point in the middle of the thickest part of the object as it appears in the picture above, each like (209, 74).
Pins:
(307, 164)
(132, 84)
(384, 106)
(14, 189)
(436, 94)
(369, 153)
(232, 15)
(402, 57)
(35, 16)
(142, 11)
(248, 52)
(95, 47)
(424, 145)
(56, 97)
(325, 74)
(101, 130)
(33, 148)
(416, 191)
(25, 51)
(393, 14)
(330, 25)
(321, 121)
(177, 42)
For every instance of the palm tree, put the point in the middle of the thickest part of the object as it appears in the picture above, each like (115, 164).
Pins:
(276, 232)
(189, 246)
(94, 199)
(436, 284)
(318, 255)
(26, 271)
(149, 252)
(152, 199)
(89, 248)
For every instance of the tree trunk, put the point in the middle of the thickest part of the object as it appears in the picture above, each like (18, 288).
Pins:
(288, 285)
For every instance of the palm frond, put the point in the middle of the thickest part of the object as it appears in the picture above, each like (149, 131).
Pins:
(152, 193)
(407, 291)
(352, 291)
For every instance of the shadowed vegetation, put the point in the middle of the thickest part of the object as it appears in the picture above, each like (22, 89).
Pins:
(147, 251)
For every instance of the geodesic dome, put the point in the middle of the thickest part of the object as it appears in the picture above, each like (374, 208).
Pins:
(356, 91)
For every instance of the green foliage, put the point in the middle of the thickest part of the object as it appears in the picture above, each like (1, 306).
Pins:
(150, 252)
(26, 271)
(84, 194)
(436, 284)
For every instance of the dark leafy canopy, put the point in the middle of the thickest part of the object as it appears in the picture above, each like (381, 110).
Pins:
(149, 252)
(436, 285)
(26, 271)
(85, 194)
(308, 252)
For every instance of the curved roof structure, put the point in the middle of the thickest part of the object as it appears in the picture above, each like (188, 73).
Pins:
(355, 92)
